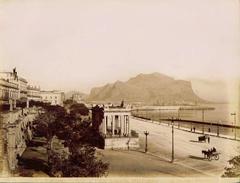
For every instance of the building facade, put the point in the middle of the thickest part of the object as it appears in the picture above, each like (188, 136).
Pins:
(53, 97)
(77, 97)
(116, 122)
(8, 93)
(22, 85)
(33, 93)
(13, 77)
(116, 128)
(12, 88)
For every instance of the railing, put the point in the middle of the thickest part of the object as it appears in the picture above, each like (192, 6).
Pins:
(204, 127)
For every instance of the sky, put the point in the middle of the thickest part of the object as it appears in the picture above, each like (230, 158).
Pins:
(77, 45)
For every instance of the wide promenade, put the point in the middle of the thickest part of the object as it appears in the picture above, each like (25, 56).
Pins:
(188, 155)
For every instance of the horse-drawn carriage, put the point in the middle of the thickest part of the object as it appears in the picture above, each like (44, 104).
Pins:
(203, 138)
(211, 154)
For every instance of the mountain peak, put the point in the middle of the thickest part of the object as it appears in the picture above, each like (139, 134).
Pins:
(149, 89)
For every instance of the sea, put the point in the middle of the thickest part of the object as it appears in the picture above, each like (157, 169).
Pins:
(214, 113)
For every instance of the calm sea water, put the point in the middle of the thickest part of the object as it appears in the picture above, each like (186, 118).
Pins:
(220, 114)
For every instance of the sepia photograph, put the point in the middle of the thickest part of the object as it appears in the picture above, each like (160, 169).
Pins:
(119, 91)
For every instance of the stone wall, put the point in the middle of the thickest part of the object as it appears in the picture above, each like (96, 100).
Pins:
(16, 128)
(121, 143)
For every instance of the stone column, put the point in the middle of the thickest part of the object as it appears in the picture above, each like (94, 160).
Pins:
(113, 125)
(14, 103)
(27, 103)
(128, 125)
(124, 124)
(12, 161)
(11, 105)
(121, 124)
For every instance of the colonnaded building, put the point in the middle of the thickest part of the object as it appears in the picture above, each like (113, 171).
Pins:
(116, 127)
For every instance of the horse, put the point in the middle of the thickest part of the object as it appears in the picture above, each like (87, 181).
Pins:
(208, 152)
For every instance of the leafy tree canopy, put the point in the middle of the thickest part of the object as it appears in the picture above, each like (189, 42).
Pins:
(80, 138)
(234, 169)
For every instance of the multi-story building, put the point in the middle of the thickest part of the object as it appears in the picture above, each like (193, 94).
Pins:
(8, 93)
(53, 97)
(10, 88)
(77, 97)
(14, 78)
(22, 85)
(33, 93)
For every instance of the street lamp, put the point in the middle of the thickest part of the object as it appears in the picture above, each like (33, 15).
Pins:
(146, 133)
(172, 140)
(203, 120)
(235, 134)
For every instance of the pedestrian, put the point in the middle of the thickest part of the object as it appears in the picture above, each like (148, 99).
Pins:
(193, 129)
(208, 139)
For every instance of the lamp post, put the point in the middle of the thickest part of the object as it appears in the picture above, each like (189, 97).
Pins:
(146, 133)
(172, 141)
(235, 134)
(203, 120)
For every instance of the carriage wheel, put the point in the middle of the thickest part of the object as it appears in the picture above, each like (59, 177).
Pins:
(209, 158)
(216, 157)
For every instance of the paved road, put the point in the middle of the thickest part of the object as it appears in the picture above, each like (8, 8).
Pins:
(187, 149)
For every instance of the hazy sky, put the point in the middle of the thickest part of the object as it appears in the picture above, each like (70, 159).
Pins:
(77, 44)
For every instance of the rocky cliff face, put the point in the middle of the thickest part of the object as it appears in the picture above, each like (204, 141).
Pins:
(151, 89)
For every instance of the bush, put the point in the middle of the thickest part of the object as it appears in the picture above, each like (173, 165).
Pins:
(26, 173)
(234, 169)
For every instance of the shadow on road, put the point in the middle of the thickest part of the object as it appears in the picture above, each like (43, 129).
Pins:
(152, 154)
(196, 141)
(196, 157)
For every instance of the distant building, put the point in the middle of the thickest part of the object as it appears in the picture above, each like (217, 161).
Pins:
(8, 93)
(33, 93)
(77, 97)
(14, 78)
(22, 84)
(53, 97)
(116, 127)
(12, 88)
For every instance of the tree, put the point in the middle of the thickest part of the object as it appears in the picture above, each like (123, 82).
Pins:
(45, 124)
(80, 109)
(82, 163)
(68, 102)
(79, 138)
(97, 117)
(234, 169)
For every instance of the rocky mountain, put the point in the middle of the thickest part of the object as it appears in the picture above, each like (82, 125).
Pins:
(151, 89)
